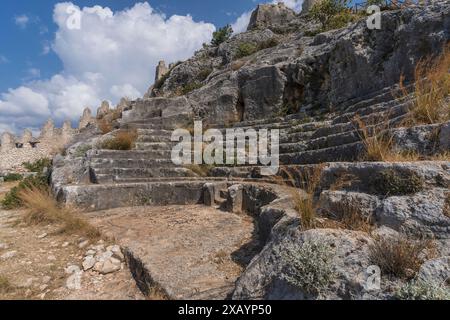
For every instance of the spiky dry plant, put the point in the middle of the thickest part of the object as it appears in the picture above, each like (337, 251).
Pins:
(431, 91)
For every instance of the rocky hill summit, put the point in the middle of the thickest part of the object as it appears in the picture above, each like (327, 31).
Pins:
(359, 208)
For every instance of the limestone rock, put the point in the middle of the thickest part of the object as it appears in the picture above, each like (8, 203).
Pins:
(435, 271)
(103, 110)
(261, 280)
(270, 15)
(89, 263)
(420, 214)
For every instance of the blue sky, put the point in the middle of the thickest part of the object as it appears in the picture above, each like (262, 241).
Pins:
(23, 46)
(48, 70)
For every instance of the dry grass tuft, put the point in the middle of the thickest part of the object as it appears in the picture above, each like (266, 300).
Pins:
(399, 256)
(105, 126)
(201, 170)
(42, 208)
(431, 90)
(377, 141)
(308, 180)
(123, 140)
(349, 217)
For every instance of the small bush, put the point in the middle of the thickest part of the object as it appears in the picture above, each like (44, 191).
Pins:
(81, 150)
(12, 177)
(245, 49)
(421, 290)
(399, 256)
(395, 183)
(189, 87)
(222, 35)
(123, 140)
(204, 73)
(12, 199)
(105, 126)
(309, 267)
(42, 208)
(326, 10)
(38, 166)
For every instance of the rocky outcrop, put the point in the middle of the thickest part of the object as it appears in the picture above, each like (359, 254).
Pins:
(272, 15)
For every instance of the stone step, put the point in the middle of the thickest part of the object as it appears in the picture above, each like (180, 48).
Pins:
(127, 155)
(394, 109)
(129, 163)
(296, 137)
(109, 175)
(346, 152)
(333, 140)
(153, 138)
(292, 147)
(149, 146)
(395, 117)
(154, 132)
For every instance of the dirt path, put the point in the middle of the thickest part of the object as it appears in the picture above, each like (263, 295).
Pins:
(33, 260)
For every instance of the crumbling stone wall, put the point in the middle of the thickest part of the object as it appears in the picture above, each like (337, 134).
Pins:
(14, 151)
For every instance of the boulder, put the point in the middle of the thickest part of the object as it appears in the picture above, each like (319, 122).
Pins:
(421, 214)
(262, 278)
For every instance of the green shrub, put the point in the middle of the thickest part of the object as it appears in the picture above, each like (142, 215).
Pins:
(222, 35)
(189, 87)
(13, 177)
(245, 49)
(38, 166)
(81, 150)
(308, 267)
(394, 183)
(12, 199)
(421, 290)
(325, 12)
(204, 73)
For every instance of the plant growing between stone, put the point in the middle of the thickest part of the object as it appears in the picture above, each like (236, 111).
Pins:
(400, 257)
(308, 267)
(431, 103)
(39, 165)
(421, 290)
(396, 183)
(122, 140)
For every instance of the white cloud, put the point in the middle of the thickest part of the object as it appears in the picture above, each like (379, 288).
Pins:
(241, 24)
(22, 20)
(3, 59)
(114, 54)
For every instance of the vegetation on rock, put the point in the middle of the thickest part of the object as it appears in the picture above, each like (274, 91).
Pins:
(421, 290)
(222, 35)
(122, 140)
(308, 267)
(398, 256)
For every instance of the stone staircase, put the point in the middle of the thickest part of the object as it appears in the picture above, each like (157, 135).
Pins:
(303, 141)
